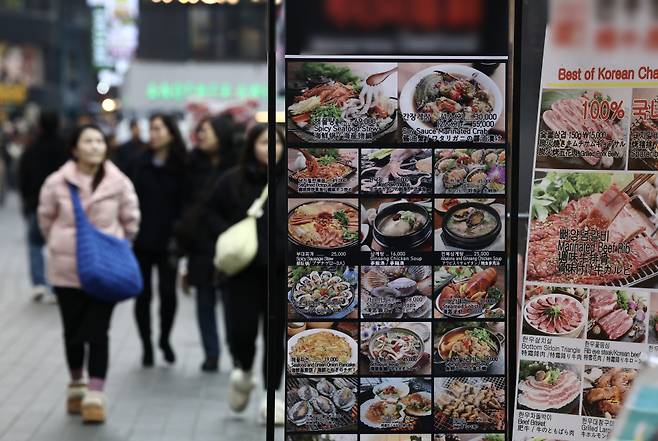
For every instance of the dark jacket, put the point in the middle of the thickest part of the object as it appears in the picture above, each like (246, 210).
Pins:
(194, 237)
(126, 155)
(160, 192)
(39, 161)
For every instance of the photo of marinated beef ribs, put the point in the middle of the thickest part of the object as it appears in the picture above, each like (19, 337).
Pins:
(606, 209)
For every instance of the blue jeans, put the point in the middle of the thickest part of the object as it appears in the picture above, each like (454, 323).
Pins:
(206, 299)
(35, 245)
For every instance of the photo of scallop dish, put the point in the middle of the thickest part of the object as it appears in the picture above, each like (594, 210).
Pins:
(583, 129)
(643, 150)
(448, 102)
(322, 292)
(323, 170)
(341, 102)
(618, 315)
(469, 404)
(473, 224)
(396, 292)
(469, 347)
(395, 348)
(605, 390)
(469, 171)
(323, 224)
(396, 171)
(555, 311)
(469, 292)
(321, 404)
(549, 387)
(397, 224)
(322, 348)
(395, 404)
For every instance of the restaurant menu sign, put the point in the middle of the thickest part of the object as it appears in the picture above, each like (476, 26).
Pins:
(590, 300)
(396, 259)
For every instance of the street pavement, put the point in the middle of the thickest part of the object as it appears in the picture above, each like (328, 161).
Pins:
(165, 403)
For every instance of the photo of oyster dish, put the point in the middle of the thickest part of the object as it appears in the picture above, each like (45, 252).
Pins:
(341, 102)
(610, 205)
(396, 171)
(605, 390)
(469, 171)
(549, 387)
(321, 404)
(322, 170)
(448, 101)
(560, 312)
(618, 316)
(322, 352)
(469, 404)
(395, 348)
(396, 292)
(396, 404)
(582, 129)
(323, 224)
(322, 294)
(470, 347)
(469, 292)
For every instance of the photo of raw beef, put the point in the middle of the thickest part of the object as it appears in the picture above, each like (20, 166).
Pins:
(617, 315)
(555, 314)
(549, 387)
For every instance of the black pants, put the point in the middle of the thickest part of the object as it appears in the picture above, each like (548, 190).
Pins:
(167, 290)
(86, 325)
(245, 306)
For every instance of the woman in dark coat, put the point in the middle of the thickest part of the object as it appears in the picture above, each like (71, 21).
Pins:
(246, 294)
(206, 163)
(159, 181)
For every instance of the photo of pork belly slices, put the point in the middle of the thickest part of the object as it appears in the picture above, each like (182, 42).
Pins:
(553, 389)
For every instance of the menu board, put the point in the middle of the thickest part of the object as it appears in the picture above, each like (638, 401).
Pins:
(589, 306)
(397, 259)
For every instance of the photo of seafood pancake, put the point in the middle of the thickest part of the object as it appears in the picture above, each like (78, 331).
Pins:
(583, 129)
(323, 348)
(321, 404)
(549, 387)
(322, 170)
(394, 292)
(341, 102)
(396, 171)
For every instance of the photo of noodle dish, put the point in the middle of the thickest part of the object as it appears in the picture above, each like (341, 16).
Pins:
(323, 170)
(319, 404)
(469, 404)
(453, 101)
(324, 223)
(395, 348)
(469, 347)
(341, 102)
(322, 292)
(396, 404)
(394, 292)
(322, 350)
(549, 387)
(396, 171)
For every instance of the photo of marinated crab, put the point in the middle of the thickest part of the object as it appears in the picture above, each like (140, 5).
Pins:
(320, 404)
(469, 171)
(322, 293)
(322, 170)
(389, 292)
(396, 171)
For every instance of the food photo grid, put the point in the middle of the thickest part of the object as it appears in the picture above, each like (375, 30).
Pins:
(396, 284)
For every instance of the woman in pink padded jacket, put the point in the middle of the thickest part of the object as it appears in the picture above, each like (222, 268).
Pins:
(111, 205)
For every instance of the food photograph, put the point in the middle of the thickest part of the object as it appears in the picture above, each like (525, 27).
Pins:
(469, 437)
(469, 348)
(321, 437)
(323, 170)
(396, 292)
(618, 316)
(396, 171)
(469, 224)
(605, 390)
(321, 404)
(395, 405)
(323, 224)
(395, 348)
(549, 387)
(452, 101)
(322, 348)
(555, 311)
(618, 206)
(341, 102)
(469, 171)
(463, 292)
(643, 150)
(319, 293)
(469, 404)
(397, 437)
(653, 319)
(583, 129)
(396, 224)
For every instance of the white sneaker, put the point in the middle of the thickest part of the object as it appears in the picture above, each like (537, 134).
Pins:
(94, 407)
(49, 299)
(39, 292)
(74, 396)
(279, 412)
(239, 390)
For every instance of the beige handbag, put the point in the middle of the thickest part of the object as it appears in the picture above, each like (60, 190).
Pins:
(236, 247)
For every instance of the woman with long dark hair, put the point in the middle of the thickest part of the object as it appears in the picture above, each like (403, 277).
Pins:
(212, 156)
(245, 294)
(159, 177)
(110, 203)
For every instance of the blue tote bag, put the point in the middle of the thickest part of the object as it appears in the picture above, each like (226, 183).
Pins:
(107, 267)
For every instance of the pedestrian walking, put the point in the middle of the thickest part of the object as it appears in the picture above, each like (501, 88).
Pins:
(110, 203)
(40, 159)
(206, 163)
(158, 176)
(246, 293)
(127, 154)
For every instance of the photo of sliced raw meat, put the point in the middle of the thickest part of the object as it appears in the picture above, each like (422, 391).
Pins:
(555, 314)
(601, 302)
(543, 391)
(616, 324)
(617, 315)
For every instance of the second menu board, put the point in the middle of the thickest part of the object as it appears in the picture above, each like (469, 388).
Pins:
(397, 205)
